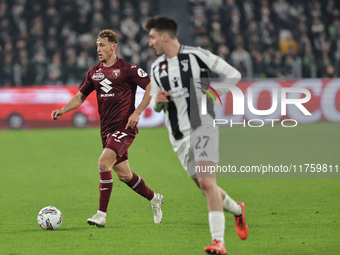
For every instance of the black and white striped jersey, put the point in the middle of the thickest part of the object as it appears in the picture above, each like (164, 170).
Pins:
(176, 75)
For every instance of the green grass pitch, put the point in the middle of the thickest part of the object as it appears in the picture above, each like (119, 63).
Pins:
(59, 167)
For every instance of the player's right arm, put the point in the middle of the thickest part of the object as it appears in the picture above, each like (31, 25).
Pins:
(74, 103)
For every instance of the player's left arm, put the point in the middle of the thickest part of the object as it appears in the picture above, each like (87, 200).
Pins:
(135, 116)
(232, 75)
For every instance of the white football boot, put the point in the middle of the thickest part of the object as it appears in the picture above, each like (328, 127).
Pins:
(99, 219)
(156, 204)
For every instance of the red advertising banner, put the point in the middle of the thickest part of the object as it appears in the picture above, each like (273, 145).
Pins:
(31, 107)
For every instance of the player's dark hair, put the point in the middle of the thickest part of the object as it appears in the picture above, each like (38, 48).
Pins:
(163, 24)
(110, 35)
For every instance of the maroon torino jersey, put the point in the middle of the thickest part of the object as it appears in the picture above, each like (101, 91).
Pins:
(116, 88)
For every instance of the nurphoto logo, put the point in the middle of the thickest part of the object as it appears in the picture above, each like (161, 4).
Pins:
(205, 96)
(279, 99)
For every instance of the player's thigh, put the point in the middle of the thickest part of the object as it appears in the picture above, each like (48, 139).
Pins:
(206, 179)
(205, 170)
(182, 149)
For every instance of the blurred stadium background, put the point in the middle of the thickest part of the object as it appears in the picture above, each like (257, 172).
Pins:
(53, 42)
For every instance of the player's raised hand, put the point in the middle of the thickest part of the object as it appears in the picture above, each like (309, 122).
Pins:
(56, 114)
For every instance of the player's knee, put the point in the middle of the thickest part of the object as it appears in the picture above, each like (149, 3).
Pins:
(206, 185)
(124, 177)
(103, 166)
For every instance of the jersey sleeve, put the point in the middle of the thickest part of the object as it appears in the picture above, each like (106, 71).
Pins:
(217, 64)
(220, 66)
(138, 76)
(154, 91)
(155, 88)
(86, 87)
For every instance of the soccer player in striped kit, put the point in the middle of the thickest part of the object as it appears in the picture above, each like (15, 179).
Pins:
(115, 82)
(173, 92)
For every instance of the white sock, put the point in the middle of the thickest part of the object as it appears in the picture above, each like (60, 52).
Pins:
(103, 214)
(217, 225)
(230, 205)
(153, 197)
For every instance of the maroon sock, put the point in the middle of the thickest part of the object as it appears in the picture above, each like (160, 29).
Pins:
(139, 186)
(105, 188)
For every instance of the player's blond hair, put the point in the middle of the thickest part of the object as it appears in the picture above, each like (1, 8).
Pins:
(110, 35)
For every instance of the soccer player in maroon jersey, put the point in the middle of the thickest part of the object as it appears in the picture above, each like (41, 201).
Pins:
(115, 82)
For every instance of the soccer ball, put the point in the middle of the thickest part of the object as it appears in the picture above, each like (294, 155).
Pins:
(50, 218)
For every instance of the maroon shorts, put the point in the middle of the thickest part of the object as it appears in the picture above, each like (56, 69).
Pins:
(119, 141)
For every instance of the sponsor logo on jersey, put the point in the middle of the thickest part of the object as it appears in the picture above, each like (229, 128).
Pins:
(105, 85)
(163, 74)
(115, 73)
(178, 93)
(163, 67)
(107, 95)
(185, 64)
(98, 76)
(141, 73)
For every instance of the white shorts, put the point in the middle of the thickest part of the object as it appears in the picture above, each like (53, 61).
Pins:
(201, 145)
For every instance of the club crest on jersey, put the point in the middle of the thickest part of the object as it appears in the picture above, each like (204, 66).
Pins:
(115, 73)
(141, 73)
(98, 76)
(185, 65)
(163, 67)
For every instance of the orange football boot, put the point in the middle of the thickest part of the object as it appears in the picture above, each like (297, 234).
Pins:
(241, 225)
(216, 247)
